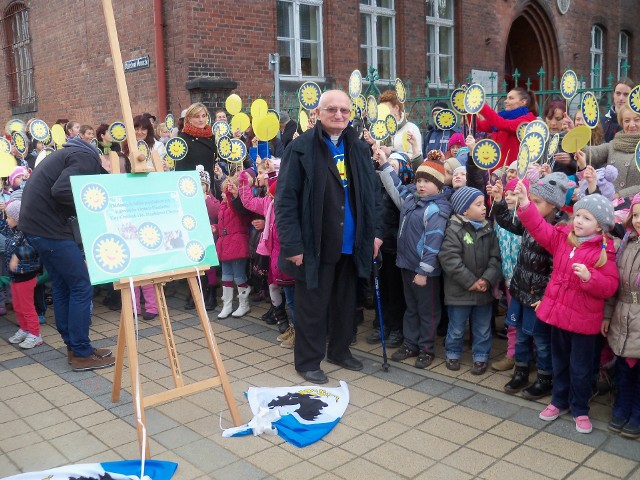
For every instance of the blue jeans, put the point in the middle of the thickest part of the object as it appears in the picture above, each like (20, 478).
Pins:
(72, 290)
(235, 271)
(572, 370)
(529, 331)
(289, 296)
(480, 317)
(627, 404)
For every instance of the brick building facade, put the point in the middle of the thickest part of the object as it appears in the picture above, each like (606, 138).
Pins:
(56, 59)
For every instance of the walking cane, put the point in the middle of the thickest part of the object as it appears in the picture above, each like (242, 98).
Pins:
(376, 281)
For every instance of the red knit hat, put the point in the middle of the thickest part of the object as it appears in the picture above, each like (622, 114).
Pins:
(431, 171)
(456, 139)
(511, 184)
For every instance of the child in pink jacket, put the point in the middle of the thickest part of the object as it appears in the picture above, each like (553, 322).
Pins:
(584, 276)
(269, 245)
(232, 247)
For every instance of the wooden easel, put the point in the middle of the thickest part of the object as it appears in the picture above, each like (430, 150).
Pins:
(126, 332)
(127, 336)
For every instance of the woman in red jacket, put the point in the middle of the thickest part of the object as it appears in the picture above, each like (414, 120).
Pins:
(519, 106)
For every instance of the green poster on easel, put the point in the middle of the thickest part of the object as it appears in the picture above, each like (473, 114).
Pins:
(140, 224)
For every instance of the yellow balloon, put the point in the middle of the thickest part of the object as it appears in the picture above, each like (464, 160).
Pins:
(303, 120)
(233, 104)
(383, 111)
(576, 139)
(259, 108)
(240, 121)
(57, 133)
(7, 164)
(405, 142)
(266, 127)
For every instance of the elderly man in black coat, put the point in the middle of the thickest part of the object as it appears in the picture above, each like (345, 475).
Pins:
(327, 203)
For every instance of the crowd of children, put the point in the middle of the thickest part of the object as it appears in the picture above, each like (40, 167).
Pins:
(455, 239)
(548, 244)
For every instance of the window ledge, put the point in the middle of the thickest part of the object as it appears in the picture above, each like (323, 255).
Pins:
(25, 108)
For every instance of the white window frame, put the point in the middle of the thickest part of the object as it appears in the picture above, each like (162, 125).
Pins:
(437, 23)
(596, 82)
(623, 54)
(372, 48)
(296, 66)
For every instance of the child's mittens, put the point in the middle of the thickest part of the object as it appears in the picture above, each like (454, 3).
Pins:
(243, 177)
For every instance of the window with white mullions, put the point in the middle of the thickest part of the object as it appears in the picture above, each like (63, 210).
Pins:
(300, 38)
(377, 37)
(623, 53)
(19, 63)
(597, 56)
(440, 42)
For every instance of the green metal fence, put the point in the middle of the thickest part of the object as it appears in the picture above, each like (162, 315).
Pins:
(420, 98)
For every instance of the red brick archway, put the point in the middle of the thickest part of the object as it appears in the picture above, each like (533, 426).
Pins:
(531, 44)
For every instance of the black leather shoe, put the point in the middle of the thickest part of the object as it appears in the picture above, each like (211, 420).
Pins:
(630, 430)
(314, 376)
(350, 363)
(616, 424)
(189, 304)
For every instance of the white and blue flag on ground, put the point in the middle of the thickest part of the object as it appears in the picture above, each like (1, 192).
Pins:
(123, 470)
(301, 415)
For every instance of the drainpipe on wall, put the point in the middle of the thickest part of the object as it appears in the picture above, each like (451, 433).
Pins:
(160, 69)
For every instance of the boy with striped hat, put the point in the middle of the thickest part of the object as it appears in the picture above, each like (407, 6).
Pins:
(424, 211)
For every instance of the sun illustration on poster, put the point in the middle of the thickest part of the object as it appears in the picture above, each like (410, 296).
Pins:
(590, 109)
(195, 251)
(355, 84)
(445, 119)
(150, 235)
(19, 142)
(187, 186)
(176, 149)
(309, 95)
(118, 131)
(634, 99)
(457, 101)
(569, 84)
(224, 147)
(553, 145)
(111, 253)
(535, 144)
(486, 154)
(94, 197)
(540, 127)
(39, 130)
(521, 129)
(522, 164)
(474, 98)
(401, 92)
(372, 108)
(379, 130)
(221, 128)
(189, 222)
(392, 124)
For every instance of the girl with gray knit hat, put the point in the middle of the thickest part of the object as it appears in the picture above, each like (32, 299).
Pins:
(531, 275)
(584, 275)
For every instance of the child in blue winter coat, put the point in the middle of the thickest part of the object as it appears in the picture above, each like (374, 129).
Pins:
(424, 211)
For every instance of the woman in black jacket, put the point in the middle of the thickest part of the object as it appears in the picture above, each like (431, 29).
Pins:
(201, 144)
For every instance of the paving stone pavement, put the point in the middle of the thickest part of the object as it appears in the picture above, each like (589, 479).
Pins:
(404, 423)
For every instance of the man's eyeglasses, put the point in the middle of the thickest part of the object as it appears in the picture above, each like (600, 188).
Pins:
(334, 110)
